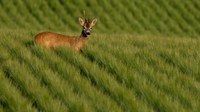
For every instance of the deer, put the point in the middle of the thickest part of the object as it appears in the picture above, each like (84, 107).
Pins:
(54, 40)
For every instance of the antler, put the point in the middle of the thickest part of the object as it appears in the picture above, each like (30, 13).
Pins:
(84, 14)
(89, 18)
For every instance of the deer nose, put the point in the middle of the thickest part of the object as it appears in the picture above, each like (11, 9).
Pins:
(88, 32)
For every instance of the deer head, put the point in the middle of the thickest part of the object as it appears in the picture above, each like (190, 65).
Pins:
(87, 26)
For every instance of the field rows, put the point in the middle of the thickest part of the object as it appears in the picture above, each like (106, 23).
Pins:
(140, 58)
(104, 77)
(149, 17)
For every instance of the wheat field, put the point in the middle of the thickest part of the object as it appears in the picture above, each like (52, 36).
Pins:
(142, 56)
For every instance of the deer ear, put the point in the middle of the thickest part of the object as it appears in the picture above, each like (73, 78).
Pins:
(81, 21)
(93, 22)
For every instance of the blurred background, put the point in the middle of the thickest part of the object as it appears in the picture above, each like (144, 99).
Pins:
(167, 17)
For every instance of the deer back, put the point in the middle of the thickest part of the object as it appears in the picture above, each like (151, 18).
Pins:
(53, 40)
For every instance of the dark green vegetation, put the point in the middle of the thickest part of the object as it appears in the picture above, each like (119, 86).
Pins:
(152, 63)
(169, 17)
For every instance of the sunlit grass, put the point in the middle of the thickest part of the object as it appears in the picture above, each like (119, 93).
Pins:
(141, 73)
(141, 56)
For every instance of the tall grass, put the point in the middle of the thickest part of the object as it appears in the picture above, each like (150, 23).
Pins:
(130, 74)
(147, 17)
(150, 63)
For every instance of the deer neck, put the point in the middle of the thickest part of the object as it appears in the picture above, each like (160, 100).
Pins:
(83, 37)
(78, 43)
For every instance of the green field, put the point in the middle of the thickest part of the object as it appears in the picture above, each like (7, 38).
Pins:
(142, 56)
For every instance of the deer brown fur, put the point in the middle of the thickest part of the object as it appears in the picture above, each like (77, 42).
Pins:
(53, 40)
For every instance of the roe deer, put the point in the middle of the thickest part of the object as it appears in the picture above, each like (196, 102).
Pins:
(53, 40)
